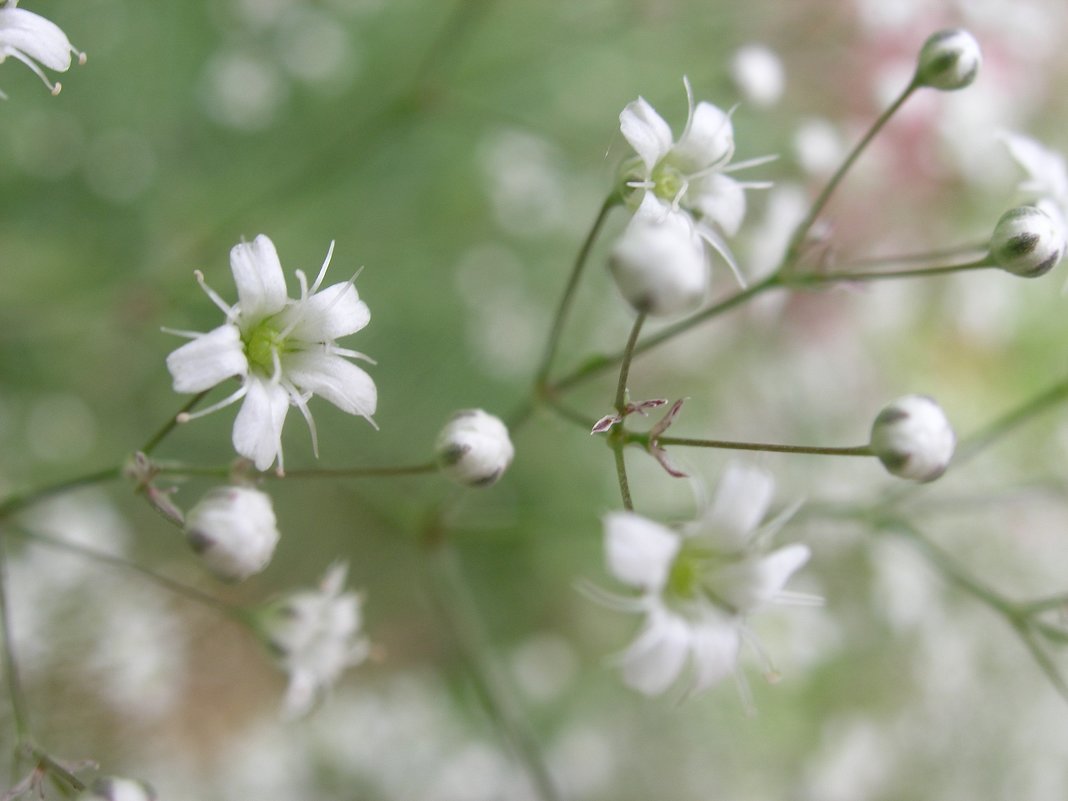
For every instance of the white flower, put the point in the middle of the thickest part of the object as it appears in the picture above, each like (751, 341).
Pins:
(690, 173)
(913, 439)
(234, 530)
(757, 72)
(659, 261)
(1047, 177)
(948, 60)
(314, 635)
(697, 585)
(282, 349)
(30, 38)
(115, 788)
(1026, 242)
(474, 449)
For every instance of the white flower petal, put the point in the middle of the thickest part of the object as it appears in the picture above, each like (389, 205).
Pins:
(742, 498)
(646, 131)
(654, 660)
(261, 285)
(756, 580)
(339, 381)
(708, 140)
(34, 36)
(1045, 168)
(207, 360)
(715, 645)
(639, 551)
(720, 199)
(258, 426)
(330, 313)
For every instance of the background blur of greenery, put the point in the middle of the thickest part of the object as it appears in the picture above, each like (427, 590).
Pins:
(458, 151)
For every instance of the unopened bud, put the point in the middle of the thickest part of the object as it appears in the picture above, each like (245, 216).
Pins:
(114, 788)
(1026, 242)
(948, 60)
(474, 449)
(234, 531)
(913, 438)
(659, 262)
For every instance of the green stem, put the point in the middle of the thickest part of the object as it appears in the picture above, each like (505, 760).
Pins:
(360, 472)
(50, 765)
(453, 594)
(193, 594)
(617, 441)
(624, 364)
(19, 501)
(987, 435)
(11, 669)
(797, 241)
(815, 279)
(555, 332)
(171, 424)
(918, 258)
(858, 450)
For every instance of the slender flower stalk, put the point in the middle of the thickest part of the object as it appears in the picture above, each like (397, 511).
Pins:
(19, 714)
(857, 450)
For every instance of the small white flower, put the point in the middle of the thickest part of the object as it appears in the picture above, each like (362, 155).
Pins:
(659, 261)
(757, 72)
(1047, 177)
(115, 788)
(282, 349)
(698, 584)
(913, 439)
(690, 173)
(474, 449)
(948, 60)
(1026, 242)
(314, 635)
(234, 530)
(36, 42)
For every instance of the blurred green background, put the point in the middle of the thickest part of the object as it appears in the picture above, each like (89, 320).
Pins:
(458, 152)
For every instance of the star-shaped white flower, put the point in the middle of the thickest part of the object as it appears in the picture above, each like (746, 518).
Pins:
(689, 173)
(315, 635)
(36, 42)
(282, 349)
(1047, 176)
(697, 585)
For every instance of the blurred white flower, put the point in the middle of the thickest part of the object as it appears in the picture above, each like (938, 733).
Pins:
(1047, 176)
(659, 261)
(315, 635)
(36, 42)
(115, 788)
(757, 72)
(234, 531)
(690, 173)
(282, 350)
(699, 584)
(474, 449)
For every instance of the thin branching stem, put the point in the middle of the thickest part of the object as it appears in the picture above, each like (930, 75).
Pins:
(856, 450)
(19, 501)
(816, 279)
(19, 712)
(154, 441)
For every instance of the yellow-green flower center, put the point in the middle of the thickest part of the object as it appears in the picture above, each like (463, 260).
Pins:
(668, 182)
(261, 342)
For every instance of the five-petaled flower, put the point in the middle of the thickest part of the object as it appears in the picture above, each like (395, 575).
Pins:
(689, 173)
(36, 42)
(281, 348)
(698, 584)
(314, 635)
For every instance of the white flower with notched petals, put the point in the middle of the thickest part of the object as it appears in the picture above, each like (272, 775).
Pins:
(1047, 177)
(698, 584)
(314, 635)
(36, 42)
(689, 173)
(281, 348)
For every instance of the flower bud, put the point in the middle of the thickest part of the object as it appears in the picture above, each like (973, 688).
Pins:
(474, 449)
(659, 262)
(114, 788)
(913, 438)
(234, 531)
(1026, 242)
(948, 60)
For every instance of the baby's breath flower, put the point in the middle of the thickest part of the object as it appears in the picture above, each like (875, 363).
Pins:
(948, 60)
(474, 449)
(1026, 242)
(36, 42)
(115, 788)
(698, 584)
(282, 349)
(1047, 177)
(913, 439)
(234, 531)
(314, 635)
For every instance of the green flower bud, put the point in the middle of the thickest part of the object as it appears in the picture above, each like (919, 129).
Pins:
(948, 60)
